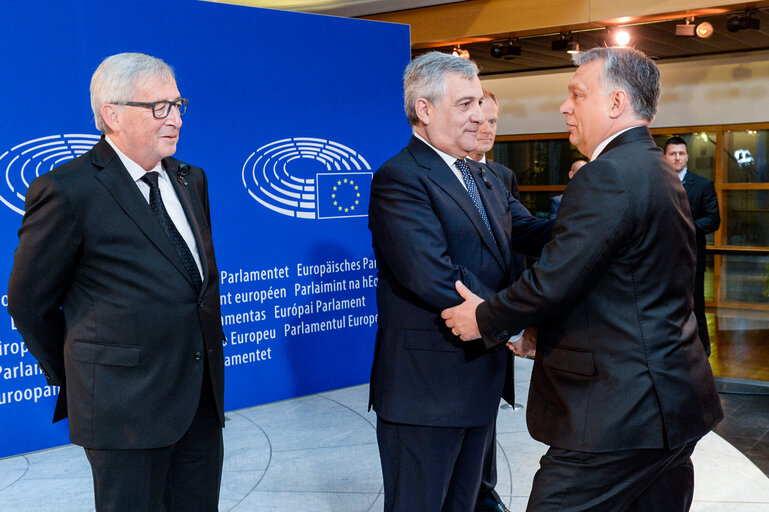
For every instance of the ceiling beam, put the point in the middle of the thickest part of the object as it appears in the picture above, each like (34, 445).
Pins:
(484, 20)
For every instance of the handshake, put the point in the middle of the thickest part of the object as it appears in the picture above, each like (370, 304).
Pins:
(461, 320)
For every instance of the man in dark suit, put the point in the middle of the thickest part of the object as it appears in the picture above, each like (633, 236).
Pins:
(488, 498)
(621, 389)
(115, 291)
(434, 220)
(703, 203)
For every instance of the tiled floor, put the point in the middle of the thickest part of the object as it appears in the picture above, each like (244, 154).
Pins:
(746, 426)
(319, 453)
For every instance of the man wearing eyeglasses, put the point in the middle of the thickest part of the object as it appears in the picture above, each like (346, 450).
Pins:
(115, 291)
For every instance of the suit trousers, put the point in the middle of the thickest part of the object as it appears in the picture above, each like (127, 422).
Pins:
(185, 476)
(624, 481)
(488, 499)
(431, 469)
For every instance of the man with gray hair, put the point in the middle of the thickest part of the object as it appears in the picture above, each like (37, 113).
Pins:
(621, 389)
(434, 219)
(115, 291)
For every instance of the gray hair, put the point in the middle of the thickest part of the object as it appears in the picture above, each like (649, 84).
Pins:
(425, 77)
(628, 69)
(114, 81)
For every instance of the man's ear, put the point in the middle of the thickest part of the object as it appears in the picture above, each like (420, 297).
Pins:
(619, 103)
(424, 110)
(109, 113)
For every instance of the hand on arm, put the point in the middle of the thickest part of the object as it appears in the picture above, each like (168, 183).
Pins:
(461, 319)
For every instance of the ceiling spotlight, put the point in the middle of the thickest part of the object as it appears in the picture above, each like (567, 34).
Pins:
(622, 37)
(572, 47)
(508, 50)
(687, 29)
(704, 30)
(737, 22)
(560, 44)
(459, 52)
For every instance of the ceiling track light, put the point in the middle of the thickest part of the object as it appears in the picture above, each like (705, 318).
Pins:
(737, 22)
(566, 43)
(704, 30)
(621, 37)
(689, 29)
(507, 50)
(458, 51)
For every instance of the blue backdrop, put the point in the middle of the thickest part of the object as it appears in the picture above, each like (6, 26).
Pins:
(289, 115)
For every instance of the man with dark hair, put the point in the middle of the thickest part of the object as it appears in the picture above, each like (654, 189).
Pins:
(115, 291)
(703, 203)
(434, 219)
(621, 389)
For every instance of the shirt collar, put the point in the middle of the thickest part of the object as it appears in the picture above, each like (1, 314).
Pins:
(445, 156)
(135, 170)
(682, 174)
(602, 145)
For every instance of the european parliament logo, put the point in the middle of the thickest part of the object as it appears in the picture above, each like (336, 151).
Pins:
(26, 161)
(309, 178)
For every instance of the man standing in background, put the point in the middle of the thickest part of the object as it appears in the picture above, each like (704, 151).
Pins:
(115, 291)
(703, 203)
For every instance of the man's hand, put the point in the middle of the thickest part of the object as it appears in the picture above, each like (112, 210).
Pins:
(526, 345)
(461, 319)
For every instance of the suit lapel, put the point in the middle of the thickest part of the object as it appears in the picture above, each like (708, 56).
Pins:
(688, 182)
(500, 247)
(444, 177)
(192, 211)
(115, 178)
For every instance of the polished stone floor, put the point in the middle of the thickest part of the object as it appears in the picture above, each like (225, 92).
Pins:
(318, 453)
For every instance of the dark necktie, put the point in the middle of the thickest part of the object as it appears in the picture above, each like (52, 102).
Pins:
(159, 209)
(470, 182)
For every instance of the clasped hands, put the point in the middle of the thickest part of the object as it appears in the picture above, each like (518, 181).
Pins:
(461, 320)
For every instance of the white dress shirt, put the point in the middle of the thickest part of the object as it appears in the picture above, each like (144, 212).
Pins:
(450, 160)
(168, 194)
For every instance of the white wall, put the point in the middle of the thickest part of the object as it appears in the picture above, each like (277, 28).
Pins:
(703, 91)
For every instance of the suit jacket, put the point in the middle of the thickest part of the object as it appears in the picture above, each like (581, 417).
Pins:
(427, 234)
(703, 203)
(555, 203)
(104, 303)
(619, 364)
(507, 176)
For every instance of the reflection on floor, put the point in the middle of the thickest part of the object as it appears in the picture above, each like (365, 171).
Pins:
(740, 360)
(739, 343)
(319, 453)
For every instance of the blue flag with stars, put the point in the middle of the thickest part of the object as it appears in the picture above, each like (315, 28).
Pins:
(343, 194)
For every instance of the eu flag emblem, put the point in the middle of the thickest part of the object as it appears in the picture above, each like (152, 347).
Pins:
(342, 194)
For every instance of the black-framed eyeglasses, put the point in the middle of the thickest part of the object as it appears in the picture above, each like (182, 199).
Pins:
(161, 108)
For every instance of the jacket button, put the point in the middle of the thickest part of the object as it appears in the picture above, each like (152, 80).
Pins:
(503, 335)
(198, 356)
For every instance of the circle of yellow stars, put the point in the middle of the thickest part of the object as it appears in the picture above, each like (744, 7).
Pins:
(345, 209)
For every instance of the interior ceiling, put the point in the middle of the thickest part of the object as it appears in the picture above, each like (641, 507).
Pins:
(346, 8)
(657, 39)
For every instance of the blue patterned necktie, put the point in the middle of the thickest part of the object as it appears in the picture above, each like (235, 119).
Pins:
(470, 182)
(159, 209)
